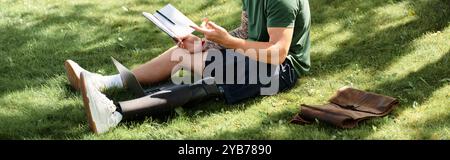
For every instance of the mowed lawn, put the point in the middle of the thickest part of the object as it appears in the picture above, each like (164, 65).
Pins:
(399, 48)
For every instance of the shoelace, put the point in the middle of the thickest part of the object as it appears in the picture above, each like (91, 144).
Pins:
(110, 109)
(109, 103)
(114, 117)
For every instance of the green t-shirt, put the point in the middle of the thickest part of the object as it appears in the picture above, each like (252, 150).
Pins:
(282, 13)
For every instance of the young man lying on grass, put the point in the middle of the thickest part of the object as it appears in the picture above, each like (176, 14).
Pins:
(272, 41)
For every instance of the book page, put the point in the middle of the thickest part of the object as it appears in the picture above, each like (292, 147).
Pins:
(160, 25)
(182, 23)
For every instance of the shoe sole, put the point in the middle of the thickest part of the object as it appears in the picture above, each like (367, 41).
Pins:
(72, 76)
(87, 107)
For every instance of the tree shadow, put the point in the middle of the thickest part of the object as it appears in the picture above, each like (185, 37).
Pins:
(34, 52)
(326, 11)
(378, 49)
(44, 122)
(418, 86)
(31, 52)
(278, 122)
(429, 128)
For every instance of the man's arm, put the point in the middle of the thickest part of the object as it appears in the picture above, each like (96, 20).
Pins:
(240, 32)
(274, 52)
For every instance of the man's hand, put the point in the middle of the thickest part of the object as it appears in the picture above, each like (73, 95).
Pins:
(191, 43)
(214, 32)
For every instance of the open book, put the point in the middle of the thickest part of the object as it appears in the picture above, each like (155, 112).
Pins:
(171, 21)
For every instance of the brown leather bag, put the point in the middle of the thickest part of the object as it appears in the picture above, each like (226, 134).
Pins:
(346, 108)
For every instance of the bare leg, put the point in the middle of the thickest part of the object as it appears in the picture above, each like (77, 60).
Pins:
(160, 68)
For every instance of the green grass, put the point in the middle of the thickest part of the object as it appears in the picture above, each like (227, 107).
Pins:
(399, 48)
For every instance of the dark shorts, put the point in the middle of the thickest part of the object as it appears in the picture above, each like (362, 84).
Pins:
(244, 80)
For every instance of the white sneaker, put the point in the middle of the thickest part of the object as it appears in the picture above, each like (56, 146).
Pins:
(74, 70)
(101, 111)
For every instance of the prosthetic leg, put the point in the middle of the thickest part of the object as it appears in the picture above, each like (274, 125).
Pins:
(163, 100)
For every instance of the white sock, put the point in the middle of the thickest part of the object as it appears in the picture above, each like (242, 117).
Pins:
(113, 81)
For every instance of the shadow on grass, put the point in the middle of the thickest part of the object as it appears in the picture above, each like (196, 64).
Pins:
(33, 56)
(418, 86)
(378, 50)
(386, 46)
(36, 51)
(33, 53)
(44, 122)
(428, 129)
